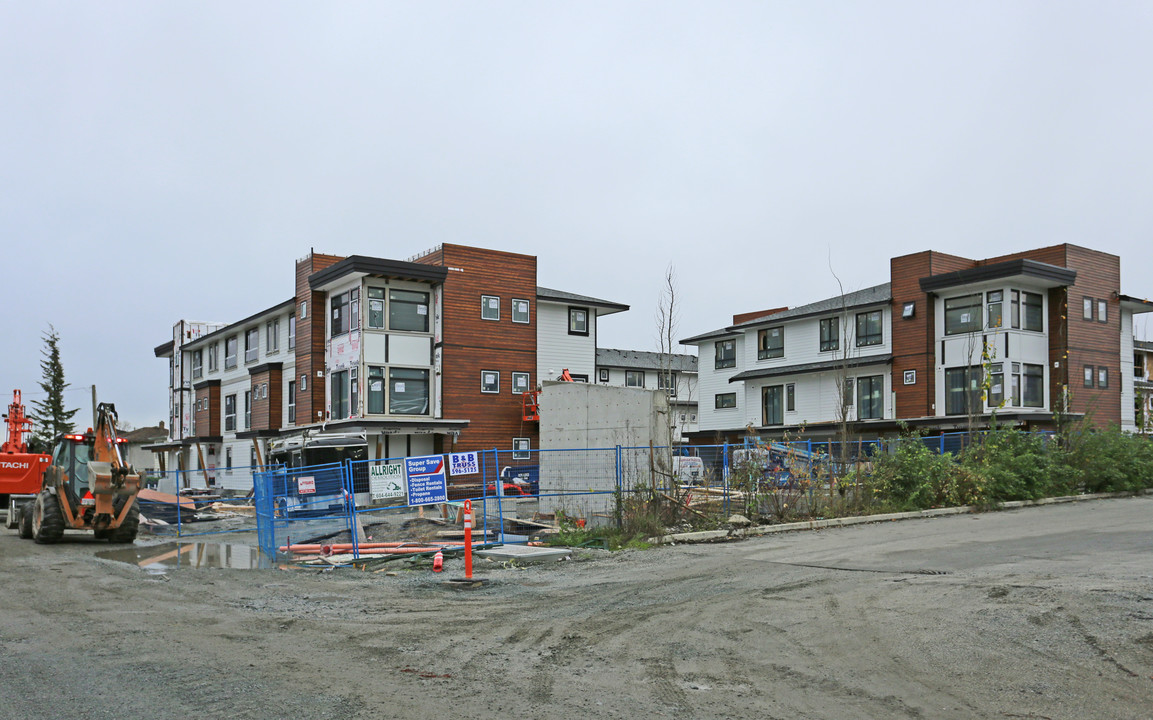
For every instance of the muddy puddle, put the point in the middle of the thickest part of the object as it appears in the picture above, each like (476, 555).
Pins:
(189, 556)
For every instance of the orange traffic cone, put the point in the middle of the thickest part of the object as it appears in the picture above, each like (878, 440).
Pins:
(438, 562)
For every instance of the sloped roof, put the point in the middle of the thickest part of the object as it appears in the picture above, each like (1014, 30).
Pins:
(641, 360)
(543, 293)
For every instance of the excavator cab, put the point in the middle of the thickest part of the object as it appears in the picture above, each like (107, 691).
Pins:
(72, 454)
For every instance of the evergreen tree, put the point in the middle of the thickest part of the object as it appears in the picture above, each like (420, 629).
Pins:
(49, 414)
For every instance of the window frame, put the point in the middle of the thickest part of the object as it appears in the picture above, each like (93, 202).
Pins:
(522, 448)
(779, 405)
(1037, 372)
(790, 397)
(603, 375)
(974, 305)
(999, 303)
(722, 359)
(1086, 307)
(667, 381)
(213, 357)
(338, 400)
(830, 334)
(521, 379)
(495, 387)
(488, 307)
(251, 345)
(870, 339)
(1102, 377)
(230, 361)
(1102, 311)
(425, 380)
(771, 343)
(1025, 305)
(247, 409)
(197, 364)
(1089, 376)
(720, 398)
(292, 331)
(272, 336)
(513, 311)
(574, 314)
(969, 391)
(631, 378)
(425, 302)
(874, 408)
(291, 402)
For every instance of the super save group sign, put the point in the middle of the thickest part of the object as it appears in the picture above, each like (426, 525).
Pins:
(420, 479)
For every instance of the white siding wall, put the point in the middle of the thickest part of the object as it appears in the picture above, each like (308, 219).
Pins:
(1128, 412)
(711, 382)
(556, 350)
(817, 397)
(803, 341)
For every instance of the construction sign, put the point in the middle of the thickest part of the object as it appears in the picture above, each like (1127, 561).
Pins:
(465, 463)
(427, 484)
(386, 482)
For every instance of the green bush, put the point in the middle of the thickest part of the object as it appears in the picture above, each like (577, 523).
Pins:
(911, 476)
(1007, 464)
(1107, 461)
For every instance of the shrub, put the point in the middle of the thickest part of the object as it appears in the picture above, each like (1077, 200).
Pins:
(912, 475)
(1008, 465)
(1108, 461)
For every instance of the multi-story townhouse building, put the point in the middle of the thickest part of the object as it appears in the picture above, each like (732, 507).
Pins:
(947, 343)
(1143, 386)
(675, 373)
(375, 357)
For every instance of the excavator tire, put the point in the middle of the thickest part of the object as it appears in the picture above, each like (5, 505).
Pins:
(47, 519)
(126, 533)
(25, 520)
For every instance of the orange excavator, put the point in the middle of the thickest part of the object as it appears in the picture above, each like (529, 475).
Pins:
(87, 486)
(20, 470)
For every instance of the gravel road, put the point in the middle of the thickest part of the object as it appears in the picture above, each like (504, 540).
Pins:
(1034, 613)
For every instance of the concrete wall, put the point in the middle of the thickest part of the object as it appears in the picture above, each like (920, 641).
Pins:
(581, 425)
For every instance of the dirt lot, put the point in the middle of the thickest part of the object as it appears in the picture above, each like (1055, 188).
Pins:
(1034, 613)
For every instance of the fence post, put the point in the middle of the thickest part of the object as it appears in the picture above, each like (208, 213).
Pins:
(499, 496)
(941, 450)
(620, 488)
(350, 505)
(179, 481)
(725, 476)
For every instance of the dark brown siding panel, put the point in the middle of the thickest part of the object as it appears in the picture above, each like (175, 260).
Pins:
(310, 339)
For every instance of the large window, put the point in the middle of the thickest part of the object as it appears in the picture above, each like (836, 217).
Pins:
(1088, 376)
(213, 357)
(489, 381)
(667, 380)
(291, 401)
(634, 378)
(338, 387)
(994, 314)
(230, 413)
(869, 328)
(520, 381)
(578, 321)
(408, 310)
(345, 312)
(197, 363)
(1032, 315)
(291, 332)
(770, 343)
(520, 311)
(489, 307)
(963, 314)
(1102, 311)
(830, 334)
(725, 400)
(251, 345)
(409, 391)
(230, 346)
(963, 390)
(376, 392)
(871, 397)
(773, 401)
(996, 385)
(726, 354)
(1034, 386)
(1087, 308)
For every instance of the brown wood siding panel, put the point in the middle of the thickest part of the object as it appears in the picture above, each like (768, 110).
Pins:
(266, 410)
(208, 421)
(310, 339)
(472, 344)
(1090, 342)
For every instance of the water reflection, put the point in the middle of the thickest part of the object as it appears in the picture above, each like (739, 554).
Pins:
(190, 556)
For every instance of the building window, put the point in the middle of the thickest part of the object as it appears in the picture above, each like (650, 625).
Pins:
(353, 392)
(291, 332)
(272, 336)
(376, 308)
(345, 312)
(963, 314)
(726, 354)
(197, 363)
(963, 390)
(1033, 319)
(228, 458)
(520, 382)
(409, 394)
(303, 383)
(1102, 377)
(303, 309)
(870, 397)
(603, 373)
(251, 345)
(1087, 308)
(725, 400)
(521, 448)
(1034, 385)
(520, 311)
(634, 378)
(578, 321)
(375, 388)
(338, 389)
(993, 309)
(230, 413)
(1089, 376)
(996, 385)
(869, 328)
(1102, 311)
(247, 409)
(771, 343)
(230, 352)
(291, 401)
(489, 381)
(489, 307)
(408, 310)
(667, 380)
(772, 399)
(791, 397)
(830, 334)
(579, 377)
(213, 358)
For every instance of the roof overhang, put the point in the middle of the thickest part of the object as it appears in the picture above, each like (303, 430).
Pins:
(416, 426)
(1038, 273)
(603, 307)
(234, 327)
(848, 363)
(1136, 305)
(164, 349)
(360, 266)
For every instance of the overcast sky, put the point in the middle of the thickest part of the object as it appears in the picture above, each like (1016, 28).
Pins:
(168, 160)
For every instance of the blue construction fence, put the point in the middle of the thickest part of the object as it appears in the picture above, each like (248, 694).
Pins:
(180, 500)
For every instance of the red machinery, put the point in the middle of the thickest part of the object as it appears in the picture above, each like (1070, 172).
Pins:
(20, 470)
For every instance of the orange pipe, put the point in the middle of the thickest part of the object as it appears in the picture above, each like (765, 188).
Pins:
(381, 551)
(348, 546)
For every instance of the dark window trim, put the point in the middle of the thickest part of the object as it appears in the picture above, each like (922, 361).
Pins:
(717, 401)
(720, 362)
(1087, 307)
(512, 311)
(1090, 375)
(1102, 377)
(791, 397)
(485, 306)
(871, 339)
(768, 353)
(634, 374)
(834, 343)
(588, 320)
(1102, 311)
(490, 392)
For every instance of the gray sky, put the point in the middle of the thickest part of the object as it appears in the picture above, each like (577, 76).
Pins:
(161, 161)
